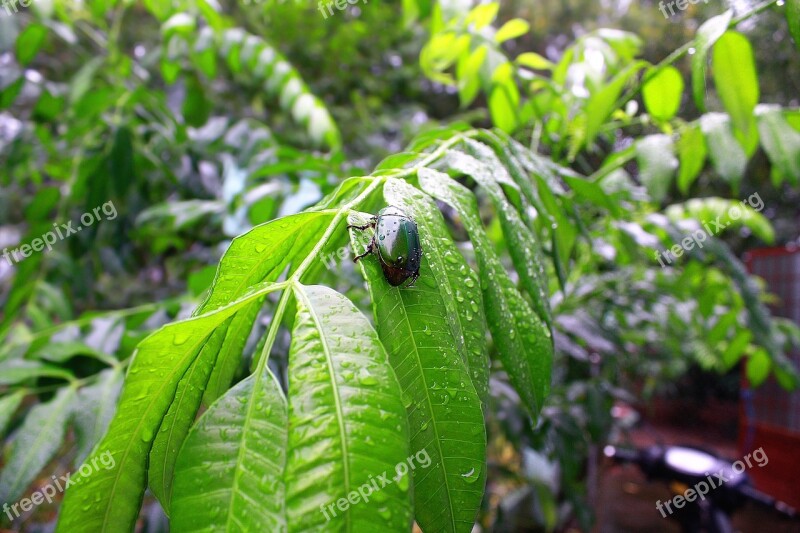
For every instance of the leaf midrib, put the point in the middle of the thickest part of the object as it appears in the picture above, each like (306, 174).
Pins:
(336, 398)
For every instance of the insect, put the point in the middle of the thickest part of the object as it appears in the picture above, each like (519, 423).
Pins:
(396, 243)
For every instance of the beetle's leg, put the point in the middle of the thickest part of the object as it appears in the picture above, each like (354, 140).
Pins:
(413, 280)
(373, 221)
(370, 249)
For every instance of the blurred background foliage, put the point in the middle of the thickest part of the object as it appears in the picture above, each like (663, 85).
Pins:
(200, 120)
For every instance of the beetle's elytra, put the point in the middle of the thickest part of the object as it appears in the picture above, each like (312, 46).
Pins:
(396, 243)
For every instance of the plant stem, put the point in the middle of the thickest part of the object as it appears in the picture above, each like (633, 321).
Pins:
(683, 50)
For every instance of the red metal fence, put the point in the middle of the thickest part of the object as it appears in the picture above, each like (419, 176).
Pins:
(770, 415)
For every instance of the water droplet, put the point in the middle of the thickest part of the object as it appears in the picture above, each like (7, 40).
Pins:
(470, 283)
(365, 378)
(471, 476)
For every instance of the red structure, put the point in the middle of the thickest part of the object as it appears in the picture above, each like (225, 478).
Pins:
(770, 415)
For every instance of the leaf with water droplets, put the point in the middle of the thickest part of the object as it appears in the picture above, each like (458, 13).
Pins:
(152, 381)
(527, 357)
(451, 432)
(229, 473)
(344, 430)
(522, 244)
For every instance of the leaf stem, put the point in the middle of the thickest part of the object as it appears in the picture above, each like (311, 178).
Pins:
(296, 277)
(683, 50)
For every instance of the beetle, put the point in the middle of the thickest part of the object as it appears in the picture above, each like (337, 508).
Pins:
(396, 243)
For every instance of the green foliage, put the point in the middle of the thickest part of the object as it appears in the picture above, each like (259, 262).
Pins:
(539, 299)
(441, 366)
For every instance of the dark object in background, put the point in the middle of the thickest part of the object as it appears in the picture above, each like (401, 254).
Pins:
(685, 469)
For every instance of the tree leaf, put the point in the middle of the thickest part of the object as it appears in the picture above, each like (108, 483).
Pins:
(458, 284)
(692, 152)
(707, 35)
(735, 78)
(160, 363)
(524, 342)
(534, 61)
(443, 408)
(781, 143)
(603, 102)
(727, 155)
(511, 30)
(16, 371)
(348, 421)
(94, 409)
(8, 406)
(522, 243)
(657, 164)
(793, 19)
(758, 367)
(29, 42)
(229, 473)
(662, 93)
(181, 415)
(35, 443)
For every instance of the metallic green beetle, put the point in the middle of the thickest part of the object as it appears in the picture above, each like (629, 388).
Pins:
(396, 242)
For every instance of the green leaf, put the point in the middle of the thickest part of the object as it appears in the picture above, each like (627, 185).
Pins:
(160, 363)
(523, 340)
(504, 99)
(229, 359)
(123, 165)
(726, 153)
(35, 443)
(707, 35)
(730, 214)
(522, 243)
(29, 42)
(458, 284)
(196, 107)
(511, 30)
(443, 408)
(263, 253)
(735, 78)
(229, 474)
(662, 93)
(793, 19)
(534, 61)
(469, 83)
(483, 15)
(182, 24)
(8, 406)
(603, 102)
(657, 164)
(94, 409)
(18, 370)
(758, 367)
(692, 152)
(348, 421)
(781, 143)
(181, 415)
